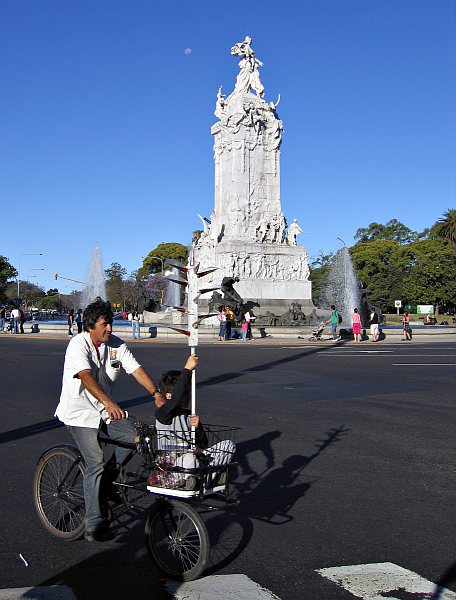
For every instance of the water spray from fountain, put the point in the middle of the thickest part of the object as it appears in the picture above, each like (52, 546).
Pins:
(95, 279)
(343, 288)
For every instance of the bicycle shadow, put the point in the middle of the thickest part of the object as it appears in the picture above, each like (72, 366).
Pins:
(268, 496)
(121, 569)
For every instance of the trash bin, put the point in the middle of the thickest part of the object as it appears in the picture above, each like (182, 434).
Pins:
(153, 331)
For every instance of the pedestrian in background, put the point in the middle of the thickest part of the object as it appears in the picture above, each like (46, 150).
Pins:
(15, 318)
(21, 320)
(78, 320)
(374, 325)
(406, 335)
(245, 329)
(221, 318)
(135, 329)
(229, 321)
(2, 319)
(334, 320)
(70, 322)
(250, 318)
(356, 325)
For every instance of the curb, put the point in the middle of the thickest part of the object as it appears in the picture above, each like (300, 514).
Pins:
(54, 592)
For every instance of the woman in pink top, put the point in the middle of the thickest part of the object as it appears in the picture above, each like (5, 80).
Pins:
(221, 317)
(356, 325)
(406, 327)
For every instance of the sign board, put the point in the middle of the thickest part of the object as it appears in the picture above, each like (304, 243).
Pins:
(425, 309)
(398, 303)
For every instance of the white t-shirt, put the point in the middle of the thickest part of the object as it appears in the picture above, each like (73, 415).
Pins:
(77, 406)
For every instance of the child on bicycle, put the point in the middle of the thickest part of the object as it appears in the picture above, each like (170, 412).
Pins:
(174, 422)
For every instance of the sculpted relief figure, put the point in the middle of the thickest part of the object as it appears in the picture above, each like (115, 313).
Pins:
(274, 128)
(293, 231)
(249, 76)
(262, 229)
(282, 228)
(220, 104)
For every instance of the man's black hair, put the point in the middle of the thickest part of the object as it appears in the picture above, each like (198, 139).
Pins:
(94, 311)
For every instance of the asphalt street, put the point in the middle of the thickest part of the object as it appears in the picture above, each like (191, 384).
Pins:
(346, 457)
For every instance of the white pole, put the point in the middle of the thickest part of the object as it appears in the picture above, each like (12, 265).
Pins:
(192, 290)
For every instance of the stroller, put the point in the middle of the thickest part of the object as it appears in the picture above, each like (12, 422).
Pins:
(317, 333)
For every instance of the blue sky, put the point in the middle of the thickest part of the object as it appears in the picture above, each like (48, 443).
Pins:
(106, 108)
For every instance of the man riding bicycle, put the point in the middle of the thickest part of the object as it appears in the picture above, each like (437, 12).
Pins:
(92, 365)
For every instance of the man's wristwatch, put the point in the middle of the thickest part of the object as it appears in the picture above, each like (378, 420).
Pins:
(157, 391)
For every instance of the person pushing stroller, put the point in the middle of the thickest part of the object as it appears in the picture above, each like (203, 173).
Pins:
(317, 333)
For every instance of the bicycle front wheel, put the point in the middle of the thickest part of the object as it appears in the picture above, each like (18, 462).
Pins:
(58, 492)
(177, 540)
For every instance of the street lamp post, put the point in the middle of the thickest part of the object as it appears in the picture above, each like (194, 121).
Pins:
(19, 269)
(57, 276)
(161, 262)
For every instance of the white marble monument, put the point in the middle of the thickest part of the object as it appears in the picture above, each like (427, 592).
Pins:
(247, 234)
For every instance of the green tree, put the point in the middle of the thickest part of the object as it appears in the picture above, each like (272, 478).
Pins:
(163, 251)
(445, 227)
(7, 272)
(394, 231)
(52, 302)
(30, 293)
(134, 292)
(115, 283)
(319, 271)
(380, 266)
(432, 279)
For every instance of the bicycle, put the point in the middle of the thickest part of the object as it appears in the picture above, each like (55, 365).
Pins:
(176, 536)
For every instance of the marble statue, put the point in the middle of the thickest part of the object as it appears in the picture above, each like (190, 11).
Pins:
(249, 76)
(293, 231)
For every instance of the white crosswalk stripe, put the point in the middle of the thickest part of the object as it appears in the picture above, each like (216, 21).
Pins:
(380, 580)
(219, 587)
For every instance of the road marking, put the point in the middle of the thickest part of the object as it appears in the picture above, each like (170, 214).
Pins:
(352, 352)
(424, 364)
(380, 580)
(219, 587)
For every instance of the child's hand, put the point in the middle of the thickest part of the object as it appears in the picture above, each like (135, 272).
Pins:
(194, 420)
(192, 362)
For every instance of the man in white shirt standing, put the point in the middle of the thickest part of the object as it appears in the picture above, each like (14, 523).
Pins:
(16, 316)
(92, 364)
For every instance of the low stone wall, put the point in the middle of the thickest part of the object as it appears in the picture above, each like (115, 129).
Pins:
(209, 333)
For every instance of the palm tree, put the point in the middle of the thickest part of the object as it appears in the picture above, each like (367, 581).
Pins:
(446, 227)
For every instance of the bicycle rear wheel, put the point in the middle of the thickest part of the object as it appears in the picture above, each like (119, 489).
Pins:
(58, 492)
(177, 540)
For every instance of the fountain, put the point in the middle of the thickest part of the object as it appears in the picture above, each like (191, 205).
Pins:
(343, 288)
(95, 279)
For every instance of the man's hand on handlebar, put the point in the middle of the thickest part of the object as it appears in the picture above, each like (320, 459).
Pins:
(114, 411)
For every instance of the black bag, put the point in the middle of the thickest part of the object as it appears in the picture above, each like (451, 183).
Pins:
(339, 318)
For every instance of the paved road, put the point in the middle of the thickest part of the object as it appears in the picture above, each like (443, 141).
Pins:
(346, 457)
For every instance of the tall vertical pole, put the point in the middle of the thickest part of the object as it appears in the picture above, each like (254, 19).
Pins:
(192, 291)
